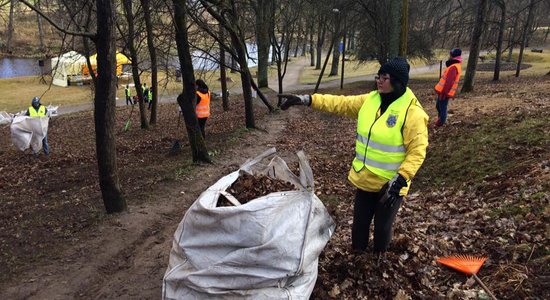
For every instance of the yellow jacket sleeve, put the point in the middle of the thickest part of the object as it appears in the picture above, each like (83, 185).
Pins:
(347, 106)
(415, 139)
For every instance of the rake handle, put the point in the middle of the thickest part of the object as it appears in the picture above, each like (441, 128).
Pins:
(484, 287)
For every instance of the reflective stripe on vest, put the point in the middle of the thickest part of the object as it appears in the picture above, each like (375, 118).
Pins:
(40, 113)
(379, 145)
(203, 107)
(441, 84)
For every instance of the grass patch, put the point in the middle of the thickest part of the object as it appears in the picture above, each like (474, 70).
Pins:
(183, 170)
(510, 210)
(18, 93)
(481, 149)
(235, 136)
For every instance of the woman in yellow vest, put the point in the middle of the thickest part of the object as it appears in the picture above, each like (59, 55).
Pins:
(390, 147)
(203, 104)
(37, 110)
(447, 85)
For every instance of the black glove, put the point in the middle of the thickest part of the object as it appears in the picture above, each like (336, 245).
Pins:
(391, 190)
(287, 100)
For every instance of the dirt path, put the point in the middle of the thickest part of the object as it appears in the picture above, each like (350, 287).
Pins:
(131, 249)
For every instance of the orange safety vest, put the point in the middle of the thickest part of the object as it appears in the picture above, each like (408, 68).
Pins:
(203, 107)
(441, 84)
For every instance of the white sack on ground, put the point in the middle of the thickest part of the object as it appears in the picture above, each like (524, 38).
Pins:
(5, 118)
(29, 132)
(267, 248)
(52, 110)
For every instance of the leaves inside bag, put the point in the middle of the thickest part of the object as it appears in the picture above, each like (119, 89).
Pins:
(248, 187)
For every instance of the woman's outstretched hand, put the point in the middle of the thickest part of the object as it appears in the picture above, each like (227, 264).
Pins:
(287, 100)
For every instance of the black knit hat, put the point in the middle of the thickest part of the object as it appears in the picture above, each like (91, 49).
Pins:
(455, 52)
(398, 68)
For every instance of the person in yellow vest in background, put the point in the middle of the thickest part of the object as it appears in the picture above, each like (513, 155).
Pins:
(145, 92)
(447, 85)
(390, 147)
(128, 93)
(37, 110)
(203, 104)
(150, 97)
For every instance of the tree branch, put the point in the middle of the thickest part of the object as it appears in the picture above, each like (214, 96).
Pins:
(76, 33)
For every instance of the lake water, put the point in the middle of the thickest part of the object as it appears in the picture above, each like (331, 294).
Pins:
(17, 67)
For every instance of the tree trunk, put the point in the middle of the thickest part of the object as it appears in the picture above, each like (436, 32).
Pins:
(403, 38)
(524, 35)
(335, 45)
(304, 41)
(42, 47)
(233, 65)
(501, 26)
(311, 48)
(474, 48)
(262, 40)
(343, 55)
(104, 108)
(186, 99)
(321, 30)
(511, 40)
(9, 43)
(223, 74)
(134, 58)
(395, 28)
(145, 4)
(322, 71)
(245, 81)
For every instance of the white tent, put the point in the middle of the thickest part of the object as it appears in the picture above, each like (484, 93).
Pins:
(68, 64)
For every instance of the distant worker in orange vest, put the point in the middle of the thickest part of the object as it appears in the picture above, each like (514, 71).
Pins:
(203, 104)
(447, 85)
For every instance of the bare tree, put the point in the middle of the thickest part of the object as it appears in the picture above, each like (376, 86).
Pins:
(145, 4)
(131, 36)
(104, 101)
(9, 43)
(187, 98)
(502, 5)
(281, 36)
(223, 73)
(468, 85)
(403, 38)
(228, 16)
(524, 35)
(262, 9)
(104, 107)
(42, 46)
(338, 14)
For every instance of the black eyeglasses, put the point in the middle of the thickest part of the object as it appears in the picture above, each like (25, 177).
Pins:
(380, 78)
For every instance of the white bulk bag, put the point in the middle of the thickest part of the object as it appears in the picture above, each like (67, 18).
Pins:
(28, 132)
(5, 118)
(267, 248)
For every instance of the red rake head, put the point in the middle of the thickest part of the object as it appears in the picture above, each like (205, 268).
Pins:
(468, 264)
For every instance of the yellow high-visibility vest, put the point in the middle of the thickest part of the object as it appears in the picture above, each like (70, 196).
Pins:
(379, 145)
(41, 112)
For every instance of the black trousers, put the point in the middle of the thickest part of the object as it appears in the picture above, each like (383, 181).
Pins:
(202, 124)
(365, 209)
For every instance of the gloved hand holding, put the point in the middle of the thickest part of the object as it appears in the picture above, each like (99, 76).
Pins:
(287, 100)
(391, 190)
